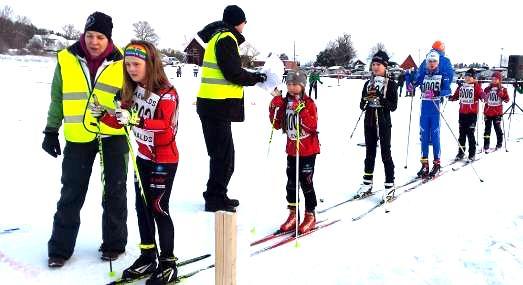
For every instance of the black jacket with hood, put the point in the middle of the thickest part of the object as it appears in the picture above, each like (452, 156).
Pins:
(229, 62)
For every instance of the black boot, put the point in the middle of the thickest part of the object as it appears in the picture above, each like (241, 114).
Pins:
(436, 168)
(424, 171)
(460, 154)
(165, 273)
(144, 266)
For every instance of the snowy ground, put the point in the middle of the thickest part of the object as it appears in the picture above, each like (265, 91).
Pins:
(454, 230)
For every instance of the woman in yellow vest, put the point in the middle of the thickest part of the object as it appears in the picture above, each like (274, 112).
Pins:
(220, 101)
(87, 77)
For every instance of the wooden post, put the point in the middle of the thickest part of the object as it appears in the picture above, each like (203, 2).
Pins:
(225, 247)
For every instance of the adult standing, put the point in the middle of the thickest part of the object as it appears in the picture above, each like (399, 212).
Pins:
(220, 101)
(87, 78)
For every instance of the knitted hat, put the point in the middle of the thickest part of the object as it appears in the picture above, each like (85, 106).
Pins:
(233, 15)
(497, 75)
(381, 57)
(433, 56)
(99, 22)
(438, 45)
(471, 72)
(297, 77)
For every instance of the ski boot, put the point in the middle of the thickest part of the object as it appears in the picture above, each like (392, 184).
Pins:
(144, 266)
(424, 171)
(365, 189)
(291, 221)
(436, 168)
(388, 194)
(165, 273)
(308, 224)
(460, 155)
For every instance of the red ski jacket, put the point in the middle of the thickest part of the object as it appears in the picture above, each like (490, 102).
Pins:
(494, 96)
(468, 96)
(282, 112)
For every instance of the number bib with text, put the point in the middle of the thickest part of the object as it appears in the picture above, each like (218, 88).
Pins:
(493, 98)
(146, 109)
(430, 83)
(291, 118)
(466, 94)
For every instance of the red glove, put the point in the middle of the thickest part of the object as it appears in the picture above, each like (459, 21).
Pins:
(277, 102)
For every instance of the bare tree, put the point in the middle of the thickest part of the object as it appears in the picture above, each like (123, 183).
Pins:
(23, 20)
(145, 32)
(6, 12)
(247, 54)
(70, 32)
(375, 49)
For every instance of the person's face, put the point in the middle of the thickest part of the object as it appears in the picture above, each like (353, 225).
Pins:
(136, 68)
(378, 69)
(495, 80)
(293, 88)
(432, 64)
(469, 79)
(96, 43)
(240, 27)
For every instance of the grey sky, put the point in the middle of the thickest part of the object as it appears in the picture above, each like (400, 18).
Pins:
(472, 30)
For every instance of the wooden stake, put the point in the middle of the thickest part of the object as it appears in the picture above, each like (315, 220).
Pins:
(225, 247)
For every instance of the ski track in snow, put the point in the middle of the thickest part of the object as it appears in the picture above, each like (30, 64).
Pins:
(453, 230)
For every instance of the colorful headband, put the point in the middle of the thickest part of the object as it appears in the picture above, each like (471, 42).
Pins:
(136, 51)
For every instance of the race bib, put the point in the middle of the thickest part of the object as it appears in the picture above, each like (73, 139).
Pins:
(378, 83)
(493, 98)
(432, 83)
(146, 109)
(466, 94)
(291, 119)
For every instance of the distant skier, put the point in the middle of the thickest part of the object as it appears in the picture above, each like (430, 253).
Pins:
(468, 94)
(494, 96)
(314, 78)
(401, 82)
(285, 118)
(179, 71)
(434, 78)
(195, 70)
(379, 98)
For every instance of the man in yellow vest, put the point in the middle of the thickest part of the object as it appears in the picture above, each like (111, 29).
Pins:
(87, 78)
(220, 101)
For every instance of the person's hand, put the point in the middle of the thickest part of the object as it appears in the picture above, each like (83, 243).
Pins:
(277, 102)
(51, 144)
(431, 94)
(97, 110)
(126, 117)
(260, 77)
(276, 92)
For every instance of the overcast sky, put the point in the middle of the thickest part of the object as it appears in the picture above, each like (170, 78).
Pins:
(473, 31)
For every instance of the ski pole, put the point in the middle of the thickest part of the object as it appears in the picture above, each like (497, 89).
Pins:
(272, 129)
(357, 122)
(408, 137)
(456, 139)
(504, 135)
(301, 105)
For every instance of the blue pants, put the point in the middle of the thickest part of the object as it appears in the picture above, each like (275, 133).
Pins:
(429, 134)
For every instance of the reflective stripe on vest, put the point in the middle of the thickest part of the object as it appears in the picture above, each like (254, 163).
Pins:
(79, 124)
(214, 85)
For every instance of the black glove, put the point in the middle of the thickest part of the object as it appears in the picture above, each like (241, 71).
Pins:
(260, 77)
(51, 144)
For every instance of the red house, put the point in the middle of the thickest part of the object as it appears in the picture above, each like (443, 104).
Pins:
(194, 51)
(408, 63)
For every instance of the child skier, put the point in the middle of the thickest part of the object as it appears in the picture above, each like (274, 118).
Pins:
(285, 113)
(434, 79)
(494, 96)
(379, 98)
(149, 104)
(468, 94)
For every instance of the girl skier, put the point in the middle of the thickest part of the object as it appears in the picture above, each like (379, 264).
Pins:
(379, 98)
(149, 104)
(284, 113)
(494, 96)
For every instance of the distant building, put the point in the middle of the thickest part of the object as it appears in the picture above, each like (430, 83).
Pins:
(408, 63)
(194, 51)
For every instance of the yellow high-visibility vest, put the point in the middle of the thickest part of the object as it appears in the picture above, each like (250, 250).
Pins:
(214, 85)
(79, 124)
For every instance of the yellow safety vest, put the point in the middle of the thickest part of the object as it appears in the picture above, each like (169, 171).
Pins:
(79, 124)
(214, 85)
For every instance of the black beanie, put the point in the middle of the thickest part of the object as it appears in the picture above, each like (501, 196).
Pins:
(470, 72)
(99, 22)
(233, 15)
(381, 57)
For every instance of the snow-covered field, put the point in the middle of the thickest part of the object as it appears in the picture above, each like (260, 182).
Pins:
(454, 230)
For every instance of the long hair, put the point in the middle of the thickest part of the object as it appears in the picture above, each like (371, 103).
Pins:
(155, 77)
